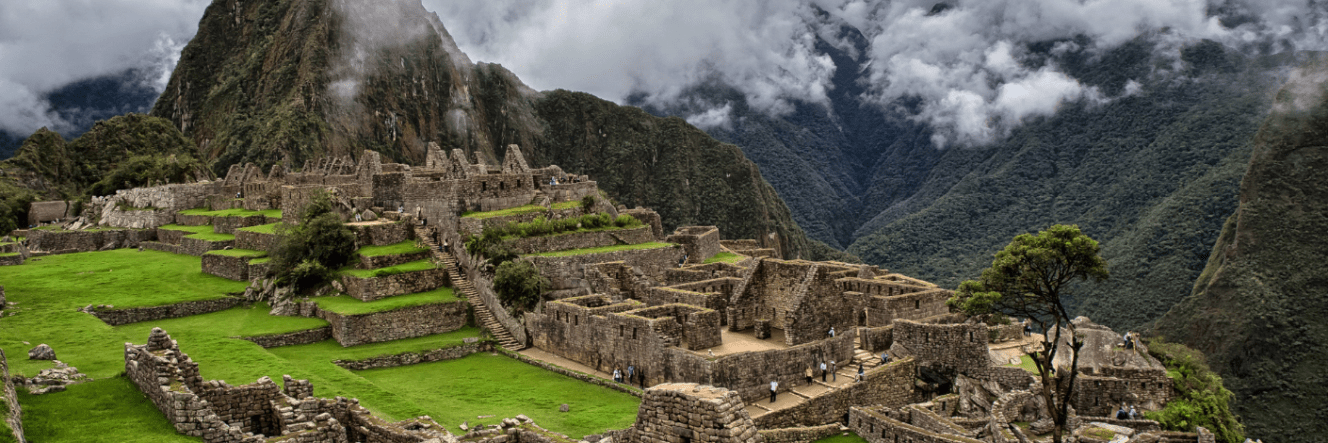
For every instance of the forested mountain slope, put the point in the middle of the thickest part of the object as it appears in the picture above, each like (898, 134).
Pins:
(1257, 310)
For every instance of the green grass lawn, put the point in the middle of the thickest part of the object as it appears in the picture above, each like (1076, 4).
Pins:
(405, 247)
(237, 252)
(347, 305)
(259, 261)
(1025, 363)
(49, 289)
(269, 228)
(418, 265)
(487, 384)
(600, 250)
(109, 410)
(852, 437)
(725, 257)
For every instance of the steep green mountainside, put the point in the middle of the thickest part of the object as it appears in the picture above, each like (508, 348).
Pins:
(297, 79)
(46, 167)
(1257, 308)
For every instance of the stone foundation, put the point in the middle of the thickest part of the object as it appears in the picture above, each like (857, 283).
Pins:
(116, 317)
(414, 321)
(375, 288)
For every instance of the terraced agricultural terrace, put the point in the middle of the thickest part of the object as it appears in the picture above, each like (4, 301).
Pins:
(189, 322)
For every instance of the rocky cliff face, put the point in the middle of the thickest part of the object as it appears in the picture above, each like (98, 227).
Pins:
(1257, 308)
(297, 79)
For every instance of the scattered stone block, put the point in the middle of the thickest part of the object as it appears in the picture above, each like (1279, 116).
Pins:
(41, 352)
(563, 408)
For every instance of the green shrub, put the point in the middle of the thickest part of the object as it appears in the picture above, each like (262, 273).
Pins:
(519, 285)
(625, 221)
(1201, 399)
(588, 204)
(318, 245)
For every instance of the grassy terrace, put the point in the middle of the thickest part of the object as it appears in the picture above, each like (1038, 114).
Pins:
(269, 213)
(522, 210)
(1026, 363)
(269, 228)
(48, 290)
(259, 261)
(201, 232)
(347, 305)
(237, 253)
(418, 265)
(405, 247)
(847, 437)
(485, 384)
(725, 257)
(601, 250)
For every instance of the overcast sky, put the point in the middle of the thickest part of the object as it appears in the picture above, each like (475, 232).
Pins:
(963, 63)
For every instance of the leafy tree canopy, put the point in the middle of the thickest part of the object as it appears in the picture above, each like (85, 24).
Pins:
(519, 285)
(308, 255)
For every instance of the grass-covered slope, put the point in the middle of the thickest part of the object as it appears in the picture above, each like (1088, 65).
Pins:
(1257, 309)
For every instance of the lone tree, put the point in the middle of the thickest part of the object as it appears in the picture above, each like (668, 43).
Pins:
(1028, 279)
(519, 285)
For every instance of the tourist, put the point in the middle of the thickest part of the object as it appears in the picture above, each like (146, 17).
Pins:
(1134, 414)
(861, 375)
(1127, 342)
(823, 371)
(834, 374)
(631, 371)
(774, 389)
(617, 375)
(885, 357)
(1121, 414)
(1028, 329)
(810, 374)
(832, 332)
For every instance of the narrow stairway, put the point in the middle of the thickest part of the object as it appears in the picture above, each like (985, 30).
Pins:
(460, 283)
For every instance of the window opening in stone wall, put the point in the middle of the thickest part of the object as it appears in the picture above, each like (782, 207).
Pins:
(620, 330)
(917, 304)
(633, 333)
(686, 439)
(576, 320)
(484, 186)
(970, 335)
(502, 186)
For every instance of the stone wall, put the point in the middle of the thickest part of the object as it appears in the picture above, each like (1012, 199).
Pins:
(875, 425)
(797, 296)
(579, 240)
(174, 197)
(568, 272)
(226, 266)
(700, 242)
(957, 347)
(595, 332)
(383, 233)
(890, 385)
(192, 220)
(1103, 392)
(414, 321)
(228, 224)
(375, 288)
(686, 412)
(198, 247)
(413, 358)
(383, 261)
(877, 340)
(116, 317)
(305, 337)
(14, 412)
(258, 241)
(11, 260)
(85, 241)
(46, 211)
(799, 434)
(135, 219)
(475, 225)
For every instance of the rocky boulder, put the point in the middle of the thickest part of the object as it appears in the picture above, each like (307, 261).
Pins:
(41, 352)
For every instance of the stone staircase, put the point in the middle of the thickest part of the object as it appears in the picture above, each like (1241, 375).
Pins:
(462, 284)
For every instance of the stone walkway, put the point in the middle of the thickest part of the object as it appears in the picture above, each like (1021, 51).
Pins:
(746, 341)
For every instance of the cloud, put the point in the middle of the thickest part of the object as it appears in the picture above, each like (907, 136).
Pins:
(46, 44)
(721, 117)
(966, 64)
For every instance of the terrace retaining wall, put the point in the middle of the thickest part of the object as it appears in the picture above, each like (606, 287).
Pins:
(410, 322)
(568, 272)
(86, 241)
(580, 240)
(11, 260)
(374, 288)
(229, 224)
(116, 317)
(197, 247)
(305, 337)
(382, 234)
(412, 358)
(258, 241)
(890, 385)
(228, 267)
(383, 261)
(799, 434)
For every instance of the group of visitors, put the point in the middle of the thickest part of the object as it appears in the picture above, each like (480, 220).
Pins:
(631, 374)
(1132, 414)
(1128, 340)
